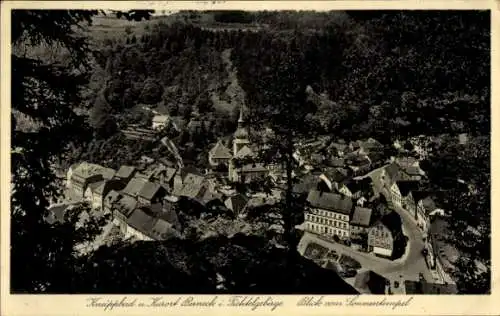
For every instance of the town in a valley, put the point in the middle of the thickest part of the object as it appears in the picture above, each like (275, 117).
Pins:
(181, 153)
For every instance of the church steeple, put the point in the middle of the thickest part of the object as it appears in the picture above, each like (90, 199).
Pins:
(241, 131)
(241, 120)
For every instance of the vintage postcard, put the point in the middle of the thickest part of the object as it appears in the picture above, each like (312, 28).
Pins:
(248, 157)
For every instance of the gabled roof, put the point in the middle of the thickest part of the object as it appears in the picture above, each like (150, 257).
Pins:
(135, 186)
(330, 201)
(236, 203)
(126, 205)
(125, 172)
(219, 151)
(193, 186)
(141, 220)
(361, 216)
(364, 185)
(149, 190)
(245, 151)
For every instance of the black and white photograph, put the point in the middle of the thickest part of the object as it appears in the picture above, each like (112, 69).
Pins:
(270, 152)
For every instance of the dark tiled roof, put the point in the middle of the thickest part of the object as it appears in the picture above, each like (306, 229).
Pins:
(149, 190)
(193, 185)
(141, 220)
(363, 185)
(405, 187)
(330, 201)
(134, 186)
(126, 205)
(361, 216)
(125, 172)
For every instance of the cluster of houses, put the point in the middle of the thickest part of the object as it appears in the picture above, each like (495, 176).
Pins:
(341, 204)
(142, 198)
(356, 158)
(342, 200)
(338, 216)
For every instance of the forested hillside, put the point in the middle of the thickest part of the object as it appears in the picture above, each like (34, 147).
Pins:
(383, 72)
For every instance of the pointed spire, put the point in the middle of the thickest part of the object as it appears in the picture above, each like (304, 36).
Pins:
(241, 120)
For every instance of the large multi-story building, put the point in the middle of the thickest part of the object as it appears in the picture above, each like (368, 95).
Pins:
(328, 214)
